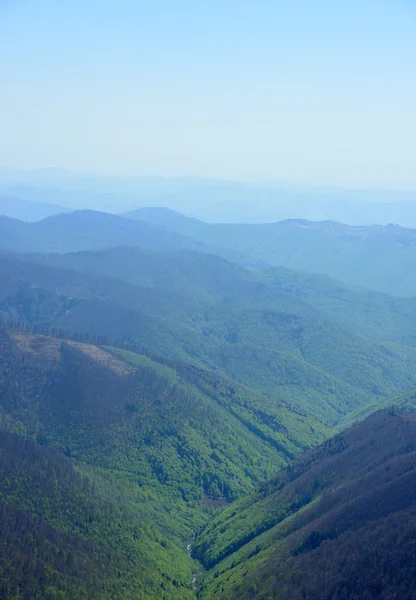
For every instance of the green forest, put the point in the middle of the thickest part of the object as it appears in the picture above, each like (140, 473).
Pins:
(183, 415)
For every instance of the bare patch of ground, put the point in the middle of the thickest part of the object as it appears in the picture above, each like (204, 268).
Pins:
(50, 348)
(110, 361)
(37, 345)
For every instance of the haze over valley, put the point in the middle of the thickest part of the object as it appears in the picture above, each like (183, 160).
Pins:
(207, 301)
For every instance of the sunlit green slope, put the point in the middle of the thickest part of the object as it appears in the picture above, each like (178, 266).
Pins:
(111, 457)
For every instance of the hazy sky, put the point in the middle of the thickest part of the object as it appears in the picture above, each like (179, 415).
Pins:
(319, 91)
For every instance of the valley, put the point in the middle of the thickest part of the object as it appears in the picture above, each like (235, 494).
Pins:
(207, 300)
(177, 423)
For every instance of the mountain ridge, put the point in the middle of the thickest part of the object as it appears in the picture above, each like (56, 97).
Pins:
(213, 314)
(28, 210)
(377, 257)
(355, 490)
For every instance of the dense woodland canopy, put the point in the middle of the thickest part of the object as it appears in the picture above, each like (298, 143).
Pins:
(338, 523)
(177, 410)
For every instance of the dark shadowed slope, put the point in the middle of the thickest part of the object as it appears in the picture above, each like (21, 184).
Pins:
(339, 523)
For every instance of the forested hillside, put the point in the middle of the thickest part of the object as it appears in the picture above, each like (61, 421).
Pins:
(376, 257)
(292, 347)
(338, 523)
(179, 424)
(406, 401)
(121, 433)
(207, 300)
(148, 392)
(67, 531)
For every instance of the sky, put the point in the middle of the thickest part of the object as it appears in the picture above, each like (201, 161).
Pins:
(320, 92)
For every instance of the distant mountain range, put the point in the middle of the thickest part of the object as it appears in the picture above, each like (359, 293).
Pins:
(377, 257)
(373, 257)
(87, 230)
(28, 210)
(212, 199)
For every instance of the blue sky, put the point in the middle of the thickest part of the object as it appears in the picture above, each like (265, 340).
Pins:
(320, 92)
